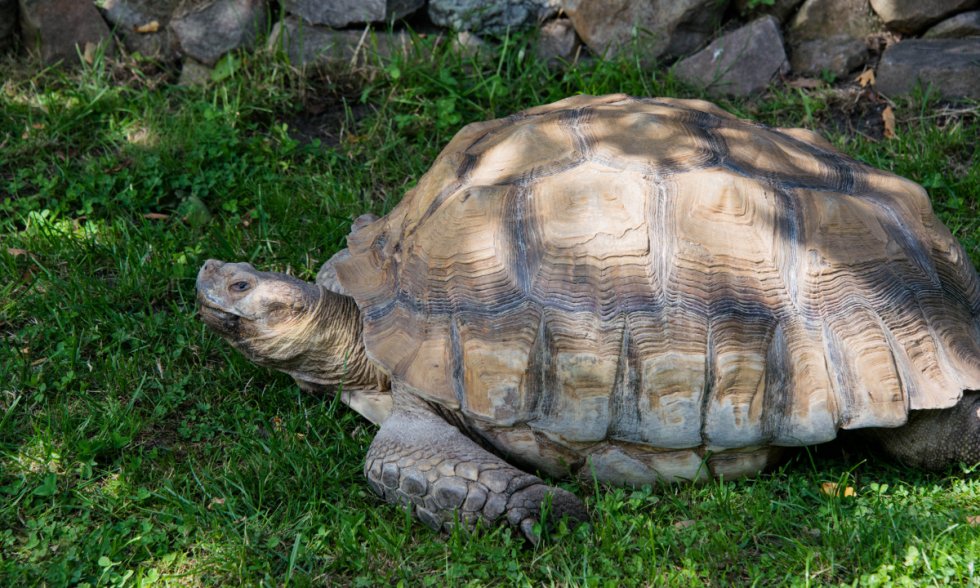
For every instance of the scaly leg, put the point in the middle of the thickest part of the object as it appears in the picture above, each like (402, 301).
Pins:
(426, 464)
(935, 439)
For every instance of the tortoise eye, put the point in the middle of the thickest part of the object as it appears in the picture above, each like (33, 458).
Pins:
(240, 286)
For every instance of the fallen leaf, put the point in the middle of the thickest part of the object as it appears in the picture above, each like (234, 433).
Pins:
(150, 27)
(216, 501)
(868, 77)
(833, 489)
(114, 169)
(88, 56)
(37, 126)
(683, 524)
(805, 83)
(974, 520)
(277, 423)
(16, 252)
(888, 115)
(156, 216)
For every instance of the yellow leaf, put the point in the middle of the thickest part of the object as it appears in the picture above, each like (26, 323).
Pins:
(868, 77)
(150, 27)
(832, 489)
(88, 55)
(888, 115)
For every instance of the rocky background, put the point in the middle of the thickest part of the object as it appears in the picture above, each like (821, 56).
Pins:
(732, 48)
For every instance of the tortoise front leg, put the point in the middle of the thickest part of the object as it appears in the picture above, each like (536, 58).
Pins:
(422, 462)
(935, 439)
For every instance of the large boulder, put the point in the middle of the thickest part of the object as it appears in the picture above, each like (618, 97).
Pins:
(341, 13)
(557, 42)
(781, 9)
(838, 55)
(8, 23)
(207, 31)
(678, 27)
(59, 30)
(307, 44)
(819, 19)
(952, 66)
(959, 27)
(742, 62)
(912, 16)
(126, 17)
(490, 16)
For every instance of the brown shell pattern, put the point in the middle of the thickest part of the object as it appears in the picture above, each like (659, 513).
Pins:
(658, 272)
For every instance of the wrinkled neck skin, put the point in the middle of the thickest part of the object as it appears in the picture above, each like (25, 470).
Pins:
(326, 349)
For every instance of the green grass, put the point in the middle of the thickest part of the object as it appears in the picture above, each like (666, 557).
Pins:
(138, 449)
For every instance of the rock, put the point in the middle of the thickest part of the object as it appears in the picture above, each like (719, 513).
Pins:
(467, 43)
(557, 42)
(208, 31)
(60, 29)
(341, 13)
(959, 27)
(318, 45)
(8, 23)
(402, 8)
(193, 73)
(951, 65)
(781, 9)
(493, 17)
(819, 19)
(741, 62)
(678, 27)
(912, 16)
(124, 16)
(839, 55)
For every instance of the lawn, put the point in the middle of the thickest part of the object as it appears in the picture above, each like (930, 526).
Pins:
(138, 449)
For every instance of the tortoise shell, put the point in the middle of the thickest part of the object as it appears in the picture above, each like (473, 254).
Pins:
(661, 274)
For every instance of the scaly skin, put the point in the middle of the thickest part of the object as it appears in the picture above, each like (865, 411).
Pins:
(286, 324)
(420, 461)
(935, 439)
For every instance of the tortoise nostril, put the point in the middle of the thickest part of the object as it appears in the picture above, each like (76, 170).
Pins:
(212, 265)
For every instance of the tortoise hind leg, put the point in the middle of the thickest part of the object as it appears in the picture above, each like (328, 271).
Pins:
(935, 439)
(424, 463)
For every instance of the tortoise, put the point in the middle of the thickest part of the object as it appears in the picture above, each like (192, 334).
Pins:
(632, 290)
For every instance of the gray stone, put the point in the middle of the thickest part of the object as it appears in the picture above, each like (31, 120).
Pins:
(960, 26)
(193, 73)
(557, 42)
(337, 13)
(125, 16)
(402, 8)
(60, 29)
(912, 16)
(952, 66)
(781, 9)
(664, 27)
(8, 23)
(208, 31)
(742, 62)
(490, 16)
(341, 13)
(839, 55)
(819, 19)
(306, 44)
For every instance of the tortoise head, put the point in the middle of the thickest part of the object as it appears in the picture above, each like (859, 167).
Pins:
(270, 317)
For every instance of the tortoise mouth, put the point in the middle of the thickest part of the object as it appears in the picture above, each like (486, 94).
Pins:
(209, 310)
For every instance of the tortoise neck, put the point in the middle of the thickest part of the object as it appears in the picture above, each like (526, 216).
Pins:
(336, 355)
